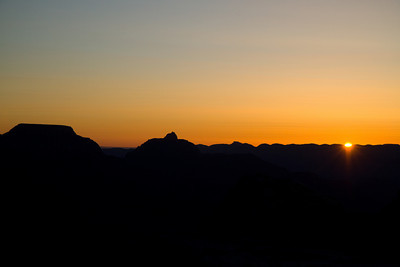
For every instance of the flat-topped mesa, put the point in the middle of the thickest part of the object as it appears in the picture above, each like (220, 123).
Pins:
(41, 130)
(47, 140)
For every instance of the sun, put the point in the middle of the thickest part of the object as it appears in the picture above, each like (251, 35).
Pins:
(348, 145)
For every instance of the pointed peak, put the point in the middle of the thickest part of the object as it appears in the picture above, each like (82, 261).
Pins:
(171, 136)
(236, 143)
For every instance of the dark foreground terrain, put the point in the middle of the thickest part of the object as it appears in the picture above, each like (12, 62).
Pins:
(172, 202)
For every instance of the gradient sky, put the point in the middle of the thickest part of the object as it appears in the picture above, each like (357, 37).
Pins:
(256, 71)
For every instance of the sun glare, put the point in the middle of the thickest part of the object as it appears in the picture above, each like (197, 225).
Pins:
(348, 145)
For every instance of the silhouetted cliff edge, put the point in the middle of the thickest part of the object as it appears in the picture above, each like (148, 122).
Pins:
(168, 202)
(49, 141)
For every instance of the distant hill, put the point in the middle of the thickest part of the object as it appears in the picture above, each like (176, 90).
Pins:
(370, 173)
(168, 148)
(169, 200)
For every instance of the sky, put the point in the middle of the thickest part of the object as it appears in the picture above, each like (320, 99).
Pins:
(213, 71)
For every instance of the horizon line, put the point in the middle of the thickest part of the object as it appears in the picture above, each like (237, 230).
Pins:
(255, 146)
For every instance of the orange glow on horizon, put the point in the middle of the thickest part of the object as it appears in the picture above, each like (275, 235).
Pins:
(212, 77)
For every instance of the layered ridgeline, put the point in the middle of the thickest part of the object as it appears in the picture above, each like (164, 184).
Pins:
(365, 177)
(172, 201)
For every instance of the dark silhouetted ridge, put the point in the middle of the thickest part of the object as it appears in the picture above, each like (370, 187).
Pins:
(41, 131)
(169, 200)
(169, 147)
(49, 141)
(171, 136)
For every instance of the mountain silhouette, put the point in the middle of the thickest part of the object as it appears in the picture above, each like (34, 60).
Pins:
(169, 200)
(48, 140)
(171, 136)
(168, 148)
(365, 179)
